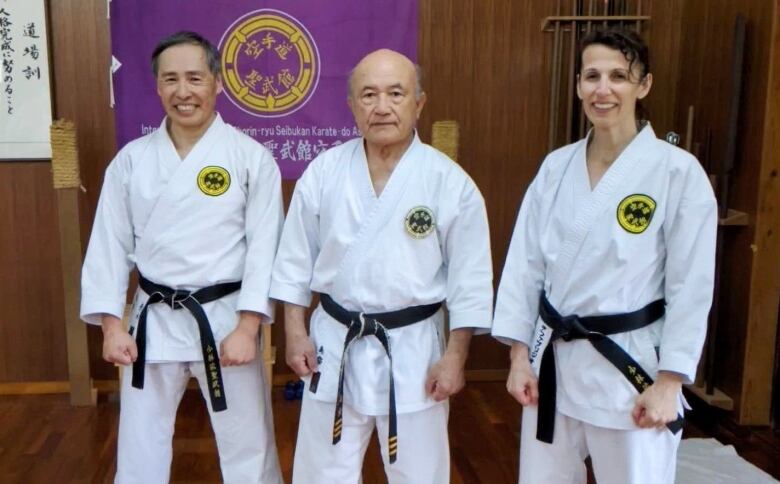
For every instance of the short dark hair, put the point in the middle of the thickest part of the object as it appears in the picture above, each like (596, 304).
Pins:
(622, 39)
(192, 38)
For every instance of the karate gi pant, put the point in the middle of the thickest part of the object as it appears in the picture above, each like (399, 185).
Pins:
(244, 432)
(423, 446)
(641, 456)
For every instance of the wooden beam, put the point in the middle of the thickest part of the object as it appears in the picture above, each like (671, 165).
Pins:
(76, 332)
(34, 388)
(758, 367)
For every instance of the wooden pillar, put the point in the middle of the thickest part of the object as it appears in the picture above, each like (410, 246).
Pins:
(65, 171)
(758, 370)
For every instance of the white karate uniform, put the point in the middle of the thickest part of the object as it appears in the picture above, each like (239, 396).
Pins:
(342, 240)
(153, 214)
(568, 242)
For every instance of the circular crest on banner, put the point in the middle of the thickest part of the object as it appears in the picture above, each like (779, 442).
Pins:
(270, 63)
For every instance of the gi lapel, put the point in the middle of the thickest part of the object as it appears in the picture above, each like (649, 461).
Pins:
(380, 211)
(586, 206)
(183, 181)
(589, 208)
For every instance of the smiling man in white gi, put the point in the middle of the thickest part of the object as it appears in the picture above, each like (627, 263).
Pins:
(384, 228)
(196, 207)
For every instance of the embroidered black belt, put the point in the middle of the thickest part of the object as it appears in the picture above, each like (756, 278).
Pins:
(192, 301)
(376, 324)
(595, 329)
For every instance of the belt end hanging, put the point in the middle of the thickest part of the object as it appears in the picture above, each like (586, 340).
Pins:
(337, 430)
(392, 448)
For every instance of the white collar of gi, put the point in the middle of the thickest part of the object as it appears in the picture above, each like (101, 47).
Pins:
(217, 123)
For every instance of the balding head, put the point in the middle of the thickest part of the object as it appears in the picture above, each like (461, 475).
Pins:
(385, 99)
(402, 63)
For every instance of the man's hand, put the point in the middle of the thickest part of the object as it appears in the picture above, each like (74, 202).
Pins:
(446, 377)
(300, 354)
(522, 383)
(118, 346)
(657, 405)
(240, 346)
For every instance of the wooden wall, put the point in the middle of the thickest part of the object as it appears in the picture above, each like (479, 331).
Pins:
(704, 82)
(486, 65)
(32, 331)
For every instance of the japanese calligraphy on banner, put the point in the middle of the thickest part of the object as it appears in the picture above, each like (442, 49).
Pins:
(284, 64)
(25, 96)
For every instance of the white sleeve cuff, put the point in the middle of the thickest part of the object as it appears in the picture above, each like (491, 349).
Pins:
(509, 332)
(479, 320)
(290, 294)
(256, 303)
(682, 364)
(92, 310)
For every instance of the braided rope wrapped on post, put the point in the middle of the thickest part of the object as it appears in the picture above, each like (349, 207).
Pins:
(64, 155)
(444, 137)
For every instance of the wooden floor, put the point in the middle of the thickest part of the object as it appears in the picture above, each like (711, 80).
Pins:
(45, 440)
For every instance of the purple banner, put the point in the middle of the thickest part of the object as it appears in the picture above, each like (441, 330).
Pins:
(284, 64)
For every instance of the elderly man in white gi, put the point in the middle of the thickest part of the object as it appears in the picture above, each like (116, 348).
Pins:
(384, 228)
(196, 208)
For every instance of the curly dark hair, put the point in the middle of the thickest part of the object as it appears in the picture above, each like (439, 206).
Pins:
(628, 42)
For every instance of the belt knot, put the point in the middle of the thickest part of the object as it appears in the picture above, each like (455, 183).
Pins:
(368, 326)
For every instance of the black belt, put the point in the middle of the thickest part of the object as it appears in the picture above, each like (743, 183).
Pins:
(595, 329)
(192, 301)
(377, 324)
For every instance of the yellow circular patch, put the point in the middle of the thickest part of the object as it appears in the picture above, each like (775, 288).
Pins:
(213, 180)
(270, 63)
(420, 222)
(635, 213)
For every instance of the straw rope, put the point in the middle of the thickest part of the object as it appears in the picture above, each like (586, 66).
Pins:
(444, 137)
(64, 155)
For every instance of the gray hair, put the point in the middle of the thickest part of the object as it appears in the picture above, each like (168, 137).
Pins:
(192, 38)
(418, 78)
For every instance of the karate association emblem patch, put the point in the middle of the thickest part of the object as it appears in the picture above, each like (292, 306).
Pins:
(420, 222)
(213, 180)
(635, 213)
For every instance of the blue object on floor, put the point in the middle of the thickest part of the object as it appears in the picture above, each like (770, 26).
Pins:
(289, 390)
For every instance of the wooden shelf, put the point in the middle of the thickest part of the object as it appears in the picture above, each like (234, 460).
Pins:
(718, 399)
(734, 218)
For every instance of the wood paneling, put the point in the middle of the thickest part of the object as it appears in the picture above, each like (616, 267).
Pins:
(32, 346)
(762, 319)
(484, 65)
(32, 341)
(704, 82)
(81, 50)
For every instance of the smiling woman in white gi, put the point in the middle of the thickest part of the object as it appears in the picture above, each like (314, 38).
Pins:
(607, 286)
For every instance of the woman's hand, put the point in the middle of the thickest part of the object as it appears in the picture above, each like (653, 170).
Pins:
(657, 405)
